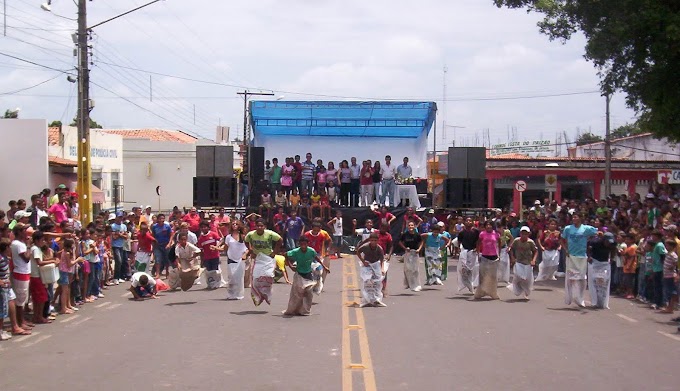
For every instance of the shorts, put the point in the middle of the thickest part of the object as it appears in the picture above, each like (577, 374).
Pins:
(21, 291)
(212, 264)
(5, 294)
(63, 278)
(669, 288)
(337, 241)
(38, 290)
(142, 260)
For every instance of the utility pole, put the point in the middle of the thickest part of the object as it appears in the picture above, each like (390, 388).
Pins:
(83, 122)
(246, 128)
(608, 152)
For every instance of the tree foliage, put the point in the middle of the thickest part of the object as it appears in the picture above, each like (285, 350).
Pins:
(11, 114)
(627, 130)
(55, 124)
(93, 124)
(588, 138)
(635, 46)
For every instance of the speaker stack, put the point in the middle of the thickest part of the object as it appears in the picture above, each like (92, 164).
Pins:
(466, 186)
(214, 184)
(257, 183)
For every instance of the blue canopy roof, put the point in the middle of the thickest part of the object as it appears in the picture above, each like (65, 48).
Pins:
(348, 119)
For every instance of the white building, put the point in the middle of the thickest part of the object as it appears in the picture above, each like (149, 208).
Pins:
(157, 161)
(641, 147)
(24, 170)
(106, 162)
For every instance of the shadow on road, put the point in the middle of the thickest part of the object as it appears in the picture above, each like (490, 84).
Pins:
(405, 294)
(569, 309)
(250, 313)
(520, 300)
(468, 298)
(543, 290)
(181, 303)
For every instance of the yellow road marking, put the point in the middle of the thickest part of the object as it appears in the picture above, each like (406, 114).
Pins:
(346, 353)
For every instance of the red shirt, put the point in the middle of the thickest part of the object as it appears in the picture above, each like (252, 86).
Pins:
(298, 171)
(278, 219)
(193, 221)
(383, 218)
(317, 241)
(145, 241)
(384, 240)
(366, 180)
(204, 243)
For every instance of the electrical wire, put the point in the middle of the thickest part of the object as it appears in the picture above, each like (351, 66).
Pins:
(30, 87)
(36, 64)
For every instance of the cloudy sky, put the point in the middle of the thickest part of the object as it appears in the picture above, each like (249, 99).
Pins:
(303, 49)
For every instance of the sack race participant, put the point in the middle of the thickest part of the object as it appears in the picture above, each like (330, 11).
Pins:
(173, 277)
(301, 260)
(468, 265)
(385, 242)
(372, 257)
(551, 245)
(145, 242)
(319, 240)
(575, 240)
(600, 250)
(523, 254)
(237, 251)
(411, 243)
(143, 286)
(280, 269)
(504, 258)
(189, 269)
(434, 242)
(488, 246)
(208, 242)
(264, 244)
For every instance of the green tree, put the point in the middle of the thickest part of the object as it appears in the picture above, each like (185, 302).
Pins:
(93, 124)
(588, 138)
(11, 114)
(635, 46)
(55, 124)
(627, 130)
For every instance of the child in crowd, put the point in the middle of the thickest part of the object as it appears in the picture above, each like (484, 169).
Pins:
(279, 221)
(304, 204)
(325, 204)
(315, 201)
(295, 226)
(145, 242)
(37, 288)
(281, 200)
(321, 179)
(294, 200)
(670, 277)
(336, 227)
(67, 266)
(266, 203)
(251, 221)
(629, 266)
(617, 263)
(88, 251)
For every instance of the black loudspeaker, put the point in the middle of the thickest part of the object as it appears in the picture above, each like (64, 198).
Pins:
(466, 193)
(256, 164)
(214, 191)
(214, 161)
(467, 162)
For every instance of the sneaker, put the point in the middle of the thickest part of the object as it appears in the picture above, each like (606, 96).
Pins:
(417, 289)
(4, 335)
(438, 282)
(101, 295)
(116, 282)
(121, 280)
(380, 304)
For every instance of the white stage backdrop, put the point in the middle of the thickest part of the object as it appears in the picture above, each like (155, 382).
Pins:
(337, 149)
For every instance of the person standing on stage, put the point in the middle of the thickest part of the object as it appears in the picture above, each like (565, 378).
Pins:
(366, 183)
(388, 172)
(575, 242)
(355, 183)
(308, 174)
(404, 171)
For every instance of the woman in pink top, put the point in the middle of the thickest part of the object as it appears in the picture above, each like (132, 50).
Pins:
(59, 210)
(489, 248)
(321, 180)
(287, 174)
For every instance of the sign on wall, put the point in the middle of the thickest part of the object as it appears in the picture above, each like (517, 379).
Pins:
(532, 148)
(551, 183)
(669, 177)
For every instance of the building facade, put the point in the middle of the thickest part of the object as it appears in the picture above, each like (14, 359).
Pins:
(25, 168)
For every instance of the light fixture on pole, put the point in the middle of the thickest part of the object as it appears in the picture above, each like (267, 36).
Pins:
(47, 6)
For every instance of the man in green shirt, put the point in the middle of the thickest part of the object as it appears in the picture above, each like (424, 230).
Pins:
(301, 293)
(275, 176)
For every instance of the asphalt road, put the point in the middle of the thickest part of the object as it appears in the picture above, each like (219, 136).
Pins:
(434, 339)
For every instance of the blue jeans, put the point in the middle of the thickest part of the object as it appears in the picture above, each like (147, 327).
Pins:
(245, 194)
(388, 187)
(160, 254)
(642, 281)
(119, 259)
(93, 284)
(291, 243)
(307, 184)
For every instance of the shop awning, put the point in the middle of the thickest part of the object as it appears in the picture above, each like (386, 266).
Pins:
(97, 195)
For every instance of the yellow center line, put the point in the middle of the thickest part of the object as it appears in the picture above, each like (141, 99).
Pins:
(369, 374)
(346, 353)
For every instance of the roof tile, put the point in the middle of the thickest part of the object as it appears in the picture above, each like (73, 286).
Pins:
(58, 161)
(176, 136)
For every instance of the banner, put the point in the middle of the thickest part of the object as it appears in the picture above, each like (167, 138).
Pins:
(669, 177)
(533, 148)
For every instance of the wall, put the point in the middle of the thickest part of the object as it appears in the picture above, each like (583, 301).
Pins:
(337, 149)
(148, 164)
(642, 148)
(24, 171)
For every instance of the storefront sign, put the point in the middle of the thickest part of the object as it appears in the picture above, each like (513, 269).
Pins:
(669, 177)
(551, 183)
(533, 148)
(95, 152)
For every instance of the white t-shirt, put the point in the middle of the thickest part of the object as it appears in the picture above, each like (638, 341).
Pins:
(388, 172)
(235, 248)
(337, 227)
(20, 265)
(136, 276)
(365, 233)
(36, 253)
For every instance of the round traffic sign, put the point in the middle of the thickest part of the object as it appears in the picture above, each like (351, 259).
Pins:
(520, 186)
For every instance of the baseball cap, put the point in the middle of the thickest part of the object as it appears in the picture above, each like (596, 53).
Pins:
(441, 224)
(120, 213)
(525, 229)
(650, 196)
(62, 186)
(148, 207)
(537, 202)
(431, 211)
(112, 216)
(20, 214)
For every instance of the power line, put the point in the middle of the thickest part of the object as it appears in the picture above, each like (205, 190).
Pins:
(35, 63)
(33, 86)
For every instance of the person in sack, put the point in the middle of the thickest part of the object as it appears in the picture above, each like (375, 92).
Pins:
(434, 242)
(411, 243)
(550, 244)
(601, 250)
(504, 262)
(468, 265)
(372, 257)
(575, 242)
(237, 252)
(488, 247)
(523, 254)
(320, 241)
(210, 255)
(264, 244)
(185, 261)
(301, 292)
(143, 286)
